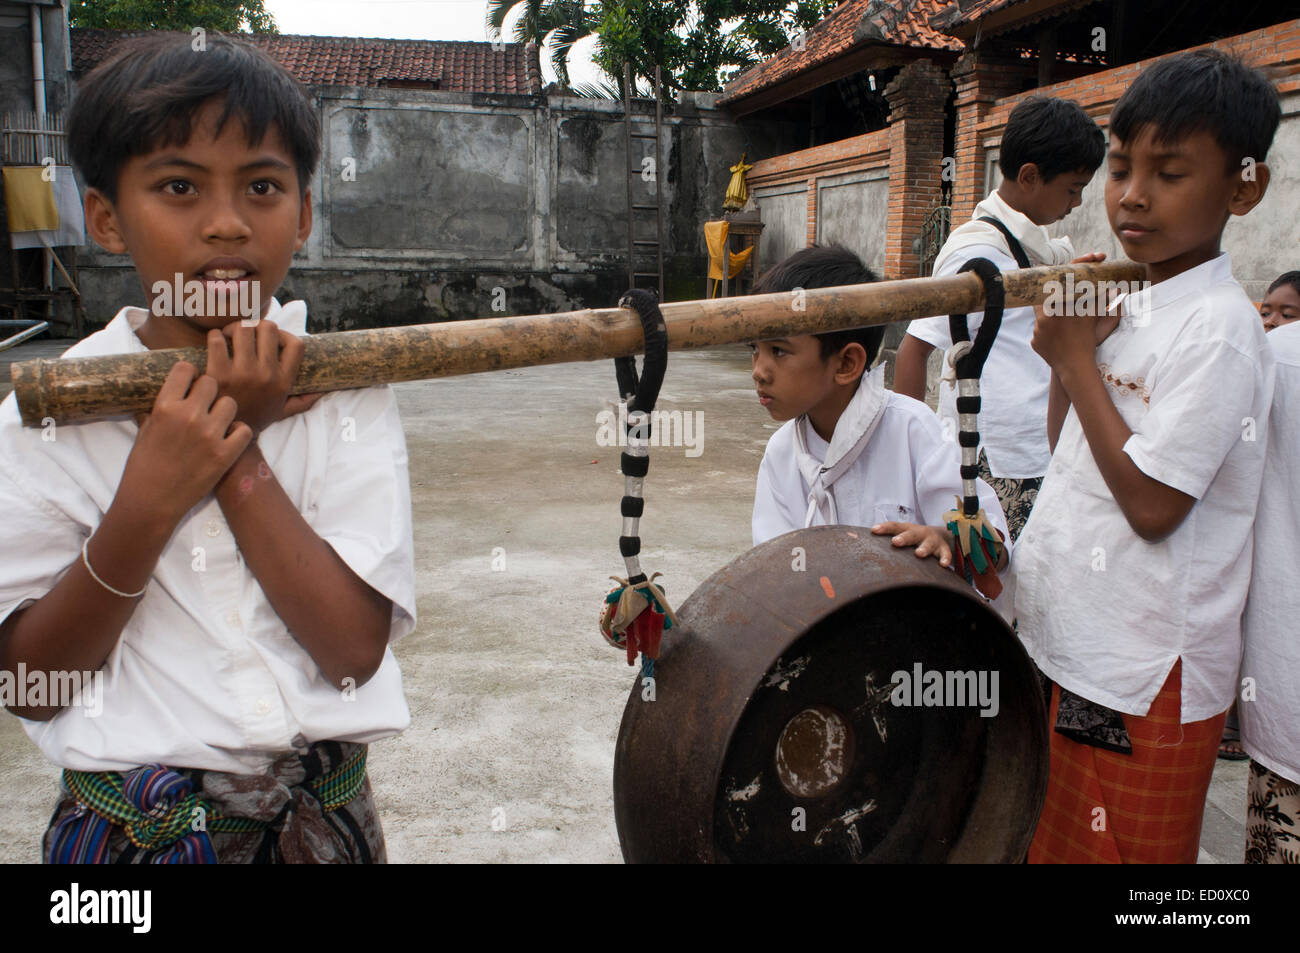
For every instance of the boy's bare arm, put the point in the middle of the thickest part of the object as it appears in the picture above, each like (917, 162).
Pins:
(1058, 407)
(909, 367)
(182, 449)
(337, 617)
(1153, 509)
(340, 620)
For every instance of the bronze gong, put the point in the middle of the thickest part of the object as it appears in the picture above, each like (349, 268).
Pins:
(828, 698)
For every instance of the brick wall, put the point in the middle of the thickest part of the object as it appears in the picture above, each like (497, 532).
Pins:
(916, 100)
(1274, 49)
(982, 82)
(857, 154)
(910, 150)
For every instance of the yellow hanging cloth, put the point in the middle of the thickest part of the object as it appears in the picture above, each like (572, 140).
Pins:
(715, 237)
(29, 199)
(737, 193)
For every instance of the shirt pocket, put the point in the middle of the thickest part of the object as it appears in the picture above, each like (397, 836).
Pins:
(894, 513)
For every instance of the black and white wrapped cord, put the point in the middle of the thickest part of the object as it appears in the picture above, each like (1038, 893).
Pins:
(979, 546)
(640, 393)
(637, 613)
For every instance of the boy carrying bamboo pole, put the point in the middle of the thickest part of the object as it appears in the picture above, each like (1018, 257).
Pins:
(1135, 563)
(229, 570)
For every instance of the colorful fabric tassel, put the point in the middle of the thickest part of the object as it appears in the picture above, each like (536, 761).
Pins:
(636, 617)
(978, 549)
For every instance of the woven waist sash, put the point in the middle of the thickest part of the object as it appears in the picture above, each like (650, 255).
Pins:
(158, 810)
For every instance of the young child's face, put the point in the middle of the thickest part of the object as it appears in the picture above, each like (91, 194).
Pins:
(220, 212)
(1281, 306)
(1050, 202)
(791, 377)
(1168, 202)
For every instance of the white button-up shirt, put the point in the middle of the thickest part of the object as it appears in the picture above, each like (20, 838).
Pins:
(909, 472)
(1269, 710)
(1103, 612)
(206, 674)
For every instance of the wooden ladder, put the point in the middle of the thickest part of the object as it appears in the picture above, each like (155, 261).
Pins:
(637, 172)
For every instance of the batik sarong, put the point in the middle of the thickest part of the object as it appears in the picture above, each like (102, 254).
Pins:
(1016, 496)
(1272, 817)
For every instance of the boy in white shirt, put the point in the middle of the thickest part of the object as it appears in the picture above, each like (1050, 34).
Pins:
(228, 570)
(1281, 304)
(1269, 707)
(1050, 150)
(850, 451)
(1133, 567)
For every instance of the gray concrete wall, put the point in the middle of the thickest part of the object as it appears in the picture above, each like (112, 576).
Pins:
(784, 210)
(852, 210)
(428, 202)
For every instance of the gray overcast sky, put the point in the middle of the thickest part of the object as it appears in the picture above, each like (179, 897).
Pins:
(411, 20)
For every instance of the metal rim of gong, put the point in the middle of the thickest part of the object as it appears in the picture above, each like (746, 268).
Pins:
(670, 753)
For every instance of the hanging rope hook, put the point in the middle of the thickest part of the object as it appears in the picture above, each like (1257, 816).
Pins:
(979, 546)
(637, 613)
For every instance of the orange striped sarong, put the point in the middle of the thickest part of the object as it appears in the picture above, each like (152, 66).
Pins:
(1103, 807)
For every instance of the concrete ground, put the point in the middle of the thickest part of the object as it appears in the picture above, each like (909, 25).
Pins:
(515, 698)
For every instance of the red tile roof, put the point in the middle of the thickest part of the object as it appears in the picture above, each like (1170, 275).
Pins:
(962, 17)
(968, 11)
(455, 65)
(852, 24)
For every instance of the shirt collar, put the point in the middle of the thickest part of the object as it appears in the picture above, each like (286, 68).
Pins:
(1192, 281)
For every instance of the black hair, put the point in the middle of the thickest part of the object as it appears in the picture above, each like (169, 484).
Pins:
(147, 94)
(1056, 135)
(1202, 90)
(825, 266)
(1291, 278)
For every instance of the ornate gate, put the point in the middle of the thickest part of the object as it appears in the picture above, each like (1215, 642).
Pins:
(933, 234)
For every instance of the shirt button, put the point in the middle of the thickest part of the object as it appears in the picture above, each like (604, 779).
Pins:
(232, 619)
(263, 707)
(213, 528)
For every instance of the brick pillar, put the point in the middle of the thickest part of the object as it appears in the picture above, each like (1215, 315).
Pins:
(916, 100)
(981, 81)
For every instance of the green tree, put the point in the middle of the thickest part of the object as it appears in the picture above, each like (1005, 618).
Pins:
(226, 16)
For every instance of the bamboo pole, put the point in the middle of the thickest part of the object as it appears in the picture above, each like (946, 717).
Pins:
(79, 389)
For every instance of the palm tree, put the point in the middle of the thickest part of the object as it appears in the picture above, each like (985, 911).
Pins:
(563, 22)
(529, 26)
(569, 21)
